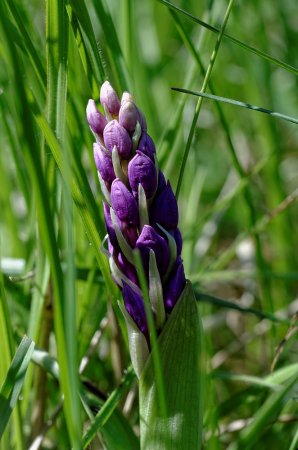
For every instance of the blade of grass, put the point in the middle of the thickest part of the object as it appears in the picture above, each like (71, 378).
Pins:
(35, 323)
(120, 80)
(247, 47)
(28, 44)
(294, 442)
(238, 103)
(200, 101)
(128, 35)
(109, 406)
(27, 136)
(268, 411)
(243, 378)
(7, 351)
(203, 297)
(12, 385)
(57, 58)
(84, 33)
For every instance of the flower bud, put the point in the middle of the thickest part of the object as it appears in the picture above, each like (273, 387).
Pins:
(175, 285)
(124, 204)
(146, 146)
(115, 135)
(103, 163)
(128, 116)
(164, 209)
(109, 98)
(141, 170)
(135, 307)
(150, 239)
(126, 97)
(96, 120)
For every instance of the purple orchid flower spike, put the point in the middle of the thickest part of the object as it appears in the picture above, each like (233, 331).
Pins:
(141, 214)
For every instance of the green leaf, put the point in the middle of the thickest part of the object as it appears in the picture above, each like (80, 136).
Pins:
(181, 363)
(14, 381)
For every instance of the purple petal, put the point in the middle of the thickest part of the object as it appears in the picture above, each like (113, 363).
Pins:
(174, 286)
(109, 98)
(135, 307)
(150, 239)
(124, 204)
(115, 135)
(146, 145)
(103, 163)
(96, 120)
(164, 209)
(142, 170)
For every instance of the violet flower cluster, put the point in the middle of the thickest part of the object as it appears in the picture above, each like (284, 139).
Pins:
(140, 209)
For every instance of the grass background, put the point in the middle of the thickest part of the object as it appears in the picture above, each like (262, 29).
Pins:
(238, 212)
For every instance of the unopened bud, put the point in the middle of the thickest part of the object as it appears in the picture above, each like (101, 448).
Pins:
(109, 98)
(96, 120)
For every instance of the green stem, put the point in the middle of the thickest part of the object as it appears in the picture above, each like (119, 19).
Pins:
(200, 101)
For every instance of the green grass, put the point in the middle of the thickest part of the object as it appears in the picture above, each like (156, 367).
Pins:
(236, 174)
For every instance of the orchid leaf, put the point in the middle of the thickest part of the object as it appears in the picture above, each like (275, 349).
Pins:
(180, 353)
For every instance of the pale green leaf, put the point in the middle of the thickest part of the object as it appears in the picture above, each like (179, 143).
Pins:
(181, 363)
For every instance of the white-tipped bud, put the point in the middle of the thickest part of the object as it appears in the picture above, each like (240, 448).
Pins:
(109, 98)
